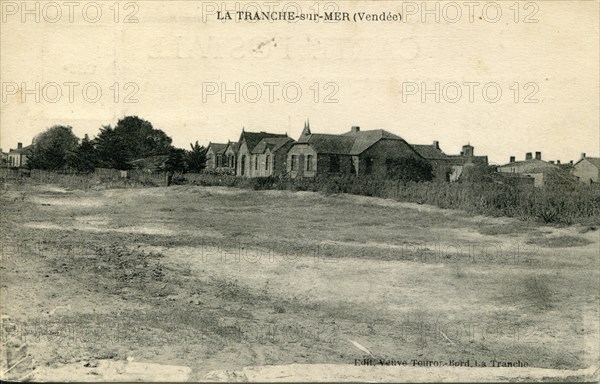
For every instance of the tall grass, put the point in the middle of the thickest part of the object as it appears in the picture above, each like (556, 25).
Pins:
(552, 204)
(555, 203)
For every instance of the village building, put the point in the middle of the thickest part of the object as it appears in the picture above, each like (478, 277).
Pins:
(437, 158)
(222, 157)
(270, 156)
(215, 155)
(535, 168)
(353, 153)
(248, 162)
(587, 169)
(449, 167)
(18, 158)
(231, 153)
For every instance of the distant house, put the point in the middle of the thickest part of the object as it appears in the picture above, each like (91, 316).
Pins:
(449, 167)
(530, 167)
(353, 153)
(270, 154)
(231, 154)
(587, 169)
(18, 158)
(151, 164)
(215, 156)
(437, 158)
(247, 160)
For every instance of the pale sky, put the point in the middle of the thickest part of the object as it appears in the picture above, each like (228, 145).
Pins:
(171, 55)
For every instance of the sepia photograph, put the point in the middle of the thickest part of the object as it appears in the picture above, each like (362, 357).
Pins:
(300, 191)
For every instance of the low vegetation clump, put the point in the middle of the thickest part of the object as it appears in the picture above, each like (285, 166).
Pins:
(559, 241)
(537, 290)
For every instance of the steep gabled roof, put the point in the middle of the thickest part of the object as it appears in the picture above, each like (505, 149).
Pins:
(253, 138)
(271, 143)
(235, 147)
(430, 152)
(217, 147)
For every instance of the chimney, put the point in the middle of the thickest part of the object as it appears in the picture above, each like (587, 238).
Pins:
(557, 161)
(571, 162)
(528, 156)
(583, 155)
(551, 161)
(538, 155)
(436, 144)
(355, 129)
(512, 159)
(20, 145)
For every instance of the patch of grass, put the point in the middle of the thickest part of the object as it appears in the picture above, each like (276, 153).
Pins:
(563, 241)
(503, 229)
(537, 290)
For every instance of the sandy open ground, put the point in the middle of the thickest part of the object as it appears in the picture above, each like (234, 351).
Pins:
(206, 283)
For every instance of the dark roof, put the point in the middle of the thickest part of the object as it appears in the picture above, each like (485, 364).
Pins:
(235, 147)
(594, 160)
(26, 149)
(218, 147)
(349, 143)
(365, 139)
(326, 143)
(272, 143)
(253, 138)
(430, 151)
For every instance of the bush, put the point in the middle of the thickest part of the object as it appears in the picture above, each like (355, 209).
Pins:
(409, 169)
(262, 183)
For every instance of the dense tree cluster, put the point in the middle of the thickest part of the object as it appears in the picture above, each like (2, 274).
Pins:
(119, 147)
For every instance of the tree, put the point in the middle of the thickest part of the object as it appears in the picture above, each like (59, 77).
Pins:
(85, 158)
(131, 139)
(409, 169)
(196, 158)
(176, 161)
(54, 148)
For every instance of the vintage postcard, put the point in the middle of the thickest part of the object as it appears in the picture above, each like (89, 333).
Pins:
(300, 191)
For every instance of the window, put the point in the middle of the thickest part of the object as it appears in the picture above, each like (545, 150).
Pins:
(256, 163)
(334, 163)
(267, 162)
(309, 162)
(293, 162)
